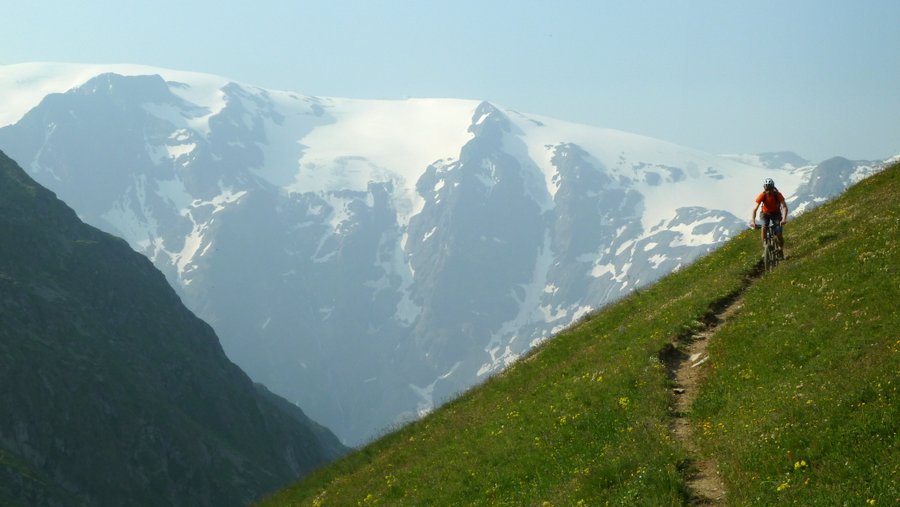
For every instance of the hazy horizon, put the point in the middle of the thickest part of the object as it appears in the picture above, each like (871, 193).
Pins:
(815, 77)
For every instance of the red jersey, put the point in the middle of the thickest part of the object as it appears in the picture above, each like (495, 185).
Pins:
(770, 202)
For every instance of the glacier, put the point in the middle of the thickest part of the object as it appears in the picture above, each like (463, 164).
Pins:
(349, 252)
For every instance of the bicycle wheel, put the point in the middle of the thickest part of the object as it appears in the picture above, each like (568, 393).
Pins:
(770, 258)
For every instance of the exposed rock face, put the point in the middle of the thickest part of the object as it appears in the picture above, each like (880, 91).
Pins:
(368, 259)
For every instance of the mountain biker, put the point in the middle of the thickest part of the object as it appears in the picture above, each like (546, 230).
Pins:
(772, 202)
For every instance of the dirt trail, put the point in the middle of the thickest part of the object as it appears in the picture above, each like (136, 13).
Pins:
(685, 360)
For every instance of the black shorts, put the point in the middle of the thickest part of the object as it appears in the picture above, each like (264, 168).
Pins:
(774, 219)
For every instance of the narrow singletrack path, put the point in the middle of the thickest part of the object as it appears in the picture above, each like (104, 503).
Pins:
(685, 359)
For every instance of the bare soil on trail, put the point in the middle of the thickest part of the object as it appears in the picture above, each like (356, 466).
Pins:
(686, 359)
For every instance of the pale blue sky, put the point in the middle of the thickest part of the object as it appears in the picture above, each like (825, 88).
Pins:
(819, 77)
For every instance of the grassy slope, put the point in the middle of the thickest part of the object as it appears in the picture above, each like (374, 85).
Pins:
(585, 418)
(801, 405)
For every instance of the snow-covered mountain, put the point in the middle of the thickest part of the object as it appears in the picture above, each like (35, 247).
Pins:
(369, 259)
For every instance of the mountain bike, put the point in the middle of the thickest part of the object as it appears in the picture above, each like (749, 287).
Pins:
(772, 253)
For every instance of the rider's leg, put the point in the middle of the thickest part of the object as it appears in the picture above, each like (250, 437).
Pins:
(766, 222)
(780, 238)
(774, 221)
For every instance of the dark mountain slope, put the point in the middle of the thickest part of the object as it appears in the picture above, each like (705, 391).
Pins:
(111, 391)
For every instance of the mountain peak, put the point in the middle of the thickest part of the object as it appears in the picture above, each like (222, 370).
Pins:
(393, 250)
(149, 88)
(488, 117)
(783, 159)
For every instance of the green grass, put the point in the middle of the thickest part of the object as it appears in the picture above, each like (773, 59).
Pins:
(801, 406)
(805, 373)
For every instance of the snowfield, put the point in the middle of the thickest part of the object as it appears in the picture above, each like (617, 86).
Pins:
(393, 251)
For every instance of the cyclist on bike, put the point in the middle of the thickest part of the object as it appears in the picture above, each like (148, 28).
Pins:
(772, 204)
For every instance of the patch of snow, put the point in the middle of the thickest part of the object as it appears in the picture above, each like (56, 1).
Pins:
(340, 209)
(624, 246)
(194, 240)
(529, 306)
(657, 259)
(687, 236)
(603, 269)
(498, 360)
(426, 394)
(489, 179)
(581, 312)
(552, 316)
(367, 130)
(180, 150)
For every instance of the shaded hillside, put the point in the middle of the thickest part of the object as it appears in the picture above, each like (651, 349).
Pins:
(111, 391)
(800, 404)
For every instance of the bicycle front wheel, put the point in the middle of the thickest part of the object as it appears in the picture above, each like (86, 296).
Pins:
(770, 258)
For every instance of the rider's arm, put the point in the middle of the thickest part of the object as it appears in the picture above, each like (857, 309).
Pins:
(784, 216)
(753, 215)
